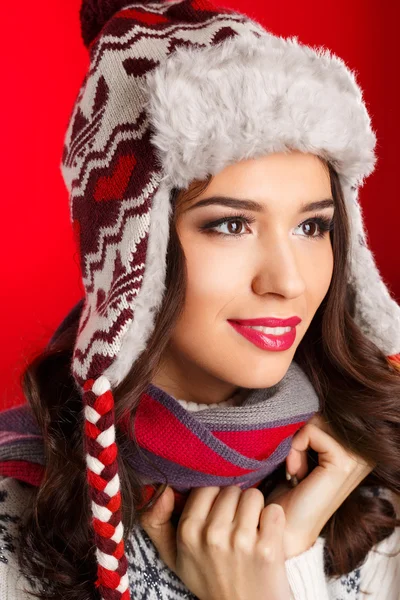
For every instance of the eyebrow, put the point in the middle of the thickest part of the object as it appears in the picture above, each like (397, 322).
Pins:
(252, 205)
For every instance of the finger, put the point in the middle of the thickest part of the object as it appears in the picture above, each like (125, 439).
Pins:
(321, 422)
(311, 436)
(157, 524)
(303, 468)
(250, 505)
(200, 502)
(272, 525)
(270, 549)
(224, 507)
(296, 463)
(330, 452)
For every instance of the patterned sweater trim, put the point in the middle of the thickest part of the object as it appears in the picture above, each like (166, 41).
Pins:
(150, 578)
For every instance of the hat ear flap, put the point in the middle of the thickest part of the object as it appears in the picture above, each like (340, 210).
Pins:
(375, 311)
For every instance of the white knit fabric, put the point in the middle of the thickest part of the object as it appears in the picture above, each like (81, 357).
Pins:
(380, 574)
(195, 406)
(235, 400)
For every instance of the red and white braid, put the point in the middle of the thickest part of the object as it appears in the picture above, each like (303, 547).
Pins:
(104, 489)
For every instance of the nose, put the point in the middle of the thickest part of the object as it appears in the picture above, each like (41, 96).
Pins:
(279, 269)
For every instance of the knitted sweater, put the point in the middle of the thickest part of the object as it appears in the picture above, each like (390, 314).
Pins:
(150, 578)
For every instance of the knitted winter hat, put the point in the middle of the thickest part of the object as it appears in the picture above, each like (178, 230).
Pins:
(176, 91)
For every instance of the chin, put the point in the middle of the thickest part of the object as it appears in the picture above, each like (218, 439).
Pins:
(267, 374)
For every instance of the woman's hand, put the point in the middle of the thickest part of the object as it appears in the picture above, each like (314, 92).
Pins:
(227, 545)
(310, 504)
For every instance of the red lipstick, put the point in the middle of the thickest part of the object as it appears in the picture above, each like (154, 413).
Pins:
(269, 321)
(267, 341)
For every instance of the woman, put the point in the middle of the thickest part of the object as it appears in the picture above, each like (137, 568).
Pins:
(214, 173)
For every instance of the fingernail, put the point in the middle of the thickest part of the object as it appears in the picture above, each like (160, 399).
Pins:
(294, 481)
(288, 475)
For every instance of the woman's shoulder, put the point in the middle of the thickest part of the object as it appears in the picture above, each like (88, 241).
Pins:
(378, 578)
(380, 572)
(15, 497)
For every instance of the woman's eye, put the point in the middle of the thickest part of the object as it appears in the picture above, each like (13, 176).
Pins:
(316, 227)
(310, 228)
(235, 226)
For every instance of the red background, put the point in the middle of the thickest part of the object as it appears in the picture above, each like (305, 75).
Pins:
(43, 62)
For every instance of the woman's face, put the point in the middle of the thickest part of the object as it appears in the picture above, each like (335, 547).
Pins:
(278, 263)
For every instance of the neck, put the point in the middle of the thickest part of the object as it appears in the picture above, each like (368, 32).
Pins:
(181, 379)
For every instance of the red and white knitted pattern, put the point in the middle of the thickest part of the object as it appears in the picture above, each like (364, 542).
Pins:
(120, 176)
(111, 170)
(104, 490)
(121, 159)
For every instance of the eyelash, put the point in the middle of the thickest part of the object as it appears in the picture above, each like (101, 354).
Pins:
(324, 223)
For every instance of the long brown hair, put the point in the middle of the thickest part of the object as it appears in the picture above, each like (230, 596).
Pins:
(358, 389)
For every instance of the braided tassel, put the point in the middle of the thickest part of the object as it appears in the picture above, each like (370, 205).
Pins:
(394, 360)
(104, 490)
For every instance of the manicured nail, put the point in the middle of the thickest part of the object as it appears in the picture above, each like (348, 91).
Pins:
(288, 475)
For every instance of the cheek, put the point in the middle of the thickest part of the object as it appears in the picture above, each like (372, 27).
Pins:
(318, 276)
(211, 281)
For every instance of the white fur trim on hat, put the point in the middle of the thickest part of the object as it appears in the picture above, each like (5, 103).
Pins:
(242, 99)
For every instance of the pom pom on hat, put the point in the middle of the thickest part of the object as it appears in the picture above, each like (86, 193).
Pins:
(94, 14)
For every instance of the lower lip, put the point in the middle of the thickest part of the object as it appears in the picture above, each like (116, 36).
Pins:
(266, 341)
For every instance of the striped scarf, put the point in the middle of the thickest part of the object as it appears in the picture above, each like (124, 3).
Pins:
(227, 445)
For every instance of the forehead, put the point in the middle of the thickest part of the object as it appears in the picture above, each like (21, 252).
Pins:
(277, 167)
(268, 182)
